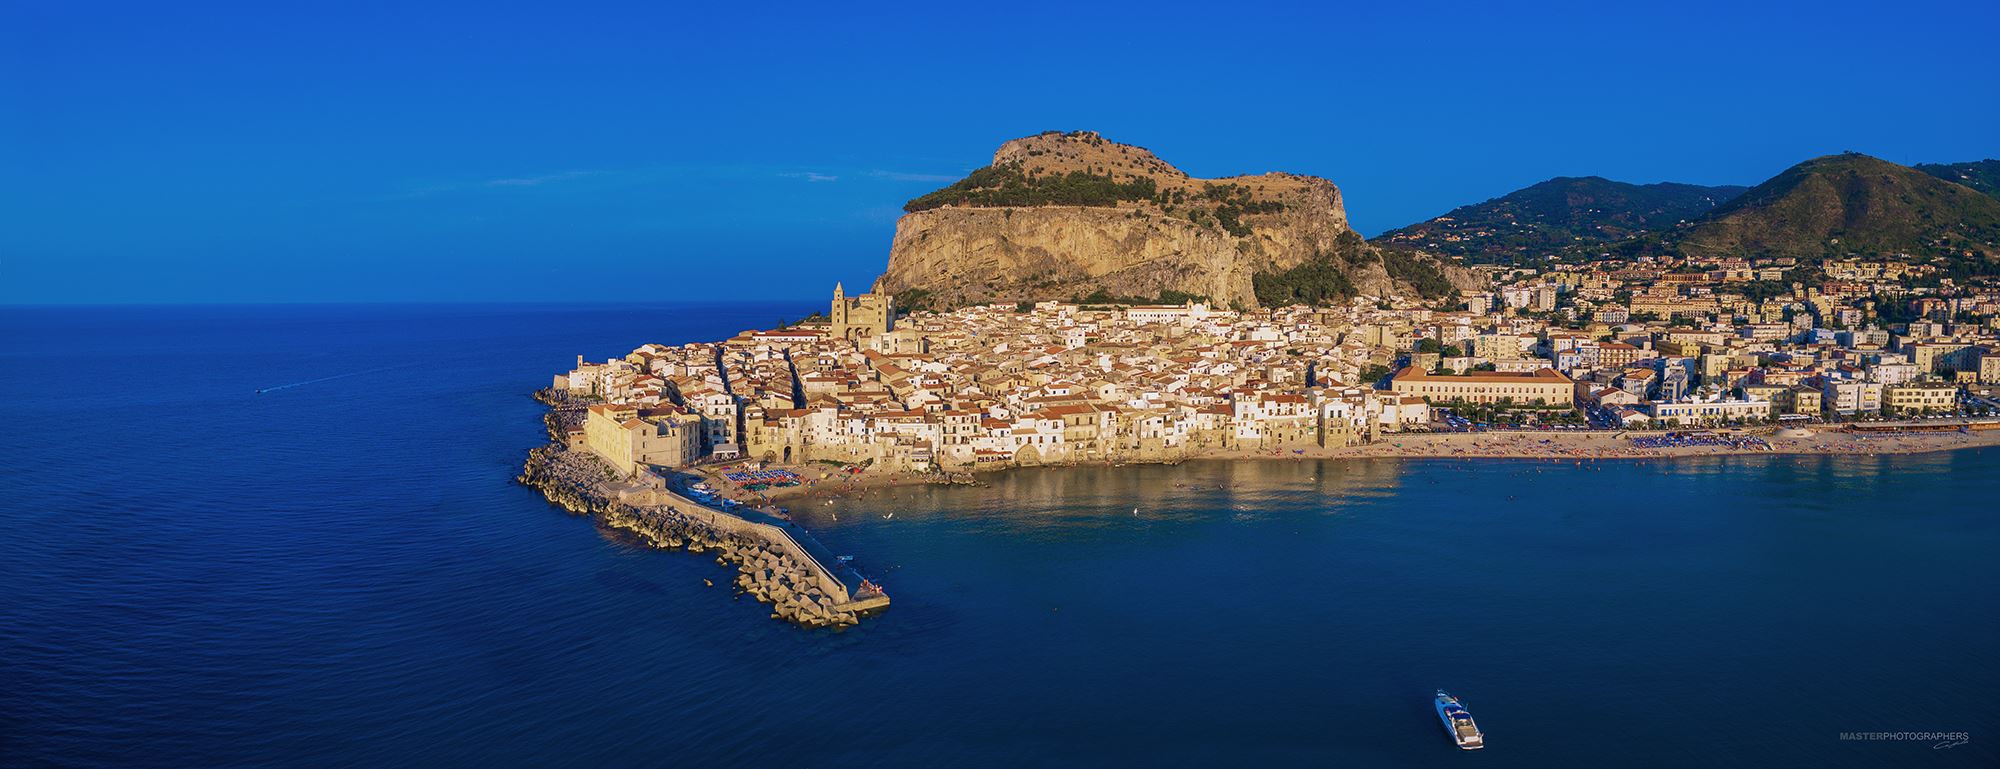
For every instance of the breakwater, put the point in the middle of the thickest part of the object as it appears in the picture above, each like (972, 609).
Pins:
(774, 565)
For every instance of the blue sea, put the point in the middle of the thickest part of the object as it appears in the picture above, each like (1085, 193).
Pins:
(340, 572)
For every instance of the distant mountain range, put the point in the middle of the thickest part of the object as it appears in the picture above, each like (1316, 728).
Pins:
(1559, 213)
(1832, 206)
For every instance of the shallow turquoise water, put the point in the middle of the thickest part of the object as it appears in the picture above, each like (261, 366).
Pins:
(342, 574)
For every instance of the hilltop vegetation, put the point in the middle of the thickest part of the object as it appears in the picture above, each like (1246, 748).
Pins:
(1853, 204)
(1829, 207)
(1558, 214)
(1008, 184)
(1221, 205)
(1981, 175)
(1081, 168)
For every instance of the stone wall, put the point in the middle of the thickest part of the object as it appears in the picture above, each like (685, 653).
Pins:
(774, 536)
(772, 565)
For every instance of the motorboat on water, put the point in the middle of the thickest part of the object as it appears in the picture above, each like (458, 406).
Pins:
(1458, 722)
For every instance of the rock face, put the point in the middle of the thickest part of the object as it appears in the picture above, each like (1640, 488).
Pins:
(1063, 215)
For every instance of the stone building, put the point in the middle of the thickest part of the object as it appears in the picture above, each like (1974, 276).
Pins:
(627, 441)
(860, 317)
(1541, 387)
(1920, 397)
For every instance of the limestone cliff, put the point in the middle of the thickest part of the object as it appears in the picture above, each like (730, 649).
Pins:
(1063, 215)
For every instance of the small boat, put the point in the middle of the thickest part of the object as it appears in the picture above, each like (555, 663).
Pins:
(1458, 723)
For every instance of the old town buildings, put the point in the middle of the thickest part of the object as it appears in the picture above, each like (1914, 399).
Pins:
(1587, 345)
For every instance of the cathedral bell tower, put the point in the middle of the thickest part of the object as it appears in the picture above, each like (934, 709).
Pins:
(836, 317)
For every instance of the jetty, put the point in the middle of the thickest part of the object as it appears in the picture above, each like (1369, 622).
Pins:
(777, 561)
(850, 591)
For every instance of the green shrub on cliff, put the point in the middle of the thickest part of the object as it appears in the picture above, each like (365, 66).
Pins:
(1320, 280)
(1008, 185)
(1103, 298)
(1422, 274)
(911, 300)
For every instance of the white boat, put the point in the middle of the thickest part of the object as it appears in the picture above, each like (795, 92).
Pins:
(1458, 722)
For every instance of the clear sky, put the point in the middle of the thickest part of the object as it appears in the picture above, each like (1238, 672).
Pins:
(437, 151)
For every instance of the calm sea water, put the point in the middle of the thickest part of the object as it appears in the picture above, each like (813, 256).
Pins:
(341, 573)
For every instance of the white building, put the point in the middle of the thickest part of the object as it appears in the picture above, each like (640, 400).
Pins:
(1708, 412)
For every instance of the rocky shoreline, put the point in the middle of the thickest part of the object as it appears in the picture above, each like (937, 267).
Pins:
(578, 483)
(565, 412)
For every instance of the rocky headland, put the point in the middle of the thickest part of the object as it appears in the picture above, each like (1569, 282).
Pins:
(1068, 215)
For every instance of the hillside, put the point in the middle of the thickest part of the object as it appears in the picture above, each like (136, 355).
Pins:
(1854, 204)
(1556, 214)
(1070, 215)
(1981, 175)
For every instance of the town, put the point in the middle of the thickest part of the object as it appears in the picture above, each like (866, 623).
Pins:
(1647, 344)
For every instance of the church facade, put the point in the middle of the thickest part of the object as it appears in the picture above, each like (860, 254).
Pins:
(860, 317)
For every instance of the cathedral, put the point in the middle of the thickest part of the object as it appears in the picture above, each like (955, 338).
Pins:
(860, 317)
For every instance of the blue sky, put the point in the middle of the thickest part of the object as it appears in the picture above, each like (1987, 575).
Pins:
(275, 152)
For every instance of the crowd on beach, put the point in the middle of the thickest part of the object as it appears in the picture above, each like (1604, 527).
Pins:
(1701, 439)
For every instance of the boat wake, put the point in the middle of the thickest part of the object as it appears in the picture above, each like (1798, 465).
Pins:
(276, 388)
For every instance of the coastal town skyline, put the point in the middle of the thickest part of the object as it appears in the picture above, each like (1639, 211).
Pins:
(1648, 346)
(252, 156)
(1083, 301)
(912, 385)
(709, 446)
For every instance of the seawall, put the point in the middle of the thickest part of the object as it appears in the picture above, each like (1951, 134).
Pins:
(778, 565)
